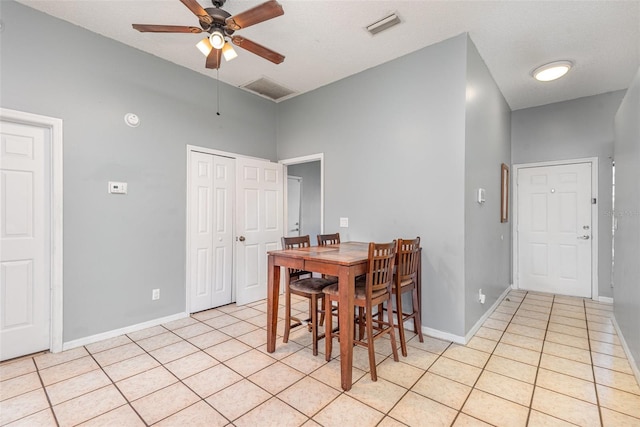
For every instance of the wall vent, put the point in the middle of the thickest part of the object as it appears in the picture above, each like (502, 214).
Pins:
(383, 24)
(268, 88)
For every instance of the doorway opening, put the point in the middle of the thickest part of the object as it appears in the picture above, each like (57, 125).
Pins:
(308, 173)
(555, 234)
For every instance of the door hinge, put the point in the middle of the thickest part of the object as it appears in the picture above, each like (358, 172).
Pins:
(593, 201)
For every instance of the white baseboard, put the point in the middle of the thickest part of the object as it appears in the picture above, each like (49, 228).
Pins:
(435, 333)
(117, 332)
(486, 315)
(464, 340)
(605, 299)
(632, 361)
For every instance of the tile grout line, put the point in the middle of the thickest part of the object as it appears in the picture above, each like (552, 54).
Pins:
(44, 389)
(473, 387)
(544, 340)
(116, 387)
(593, 370)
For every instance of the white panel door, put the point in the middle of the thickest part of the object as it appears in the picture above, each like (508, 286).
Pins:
(25, 257)
(294, 185)
(211, 227)
(554, 229)
(259, 223)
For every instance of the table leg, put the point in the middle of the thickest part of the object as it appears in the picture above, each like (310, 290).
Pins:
(346, 290)
(273, 291)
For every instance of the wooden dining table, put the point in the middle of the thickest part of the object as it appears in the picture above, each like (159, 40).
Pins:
(345, 261)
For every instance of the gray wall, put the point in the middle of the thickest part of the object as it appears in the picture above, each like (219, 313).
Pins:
(488, 144)
(118, 248)
(393, 144)
(310, 198)
(627, 207)
(569, 130)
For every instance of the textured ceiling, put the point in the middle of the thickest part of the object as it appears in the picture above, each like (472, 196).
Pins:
(325, 41)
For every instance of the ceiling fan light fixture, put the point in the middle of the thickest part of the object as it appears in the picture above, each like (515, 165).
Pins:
(204, 46)
(552, 71)
(229, 52)
(217, 39)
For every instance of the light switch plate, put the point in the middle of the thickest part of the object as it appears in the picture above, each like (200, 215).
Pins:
(344, 222)
(117, 187)
(481, 195)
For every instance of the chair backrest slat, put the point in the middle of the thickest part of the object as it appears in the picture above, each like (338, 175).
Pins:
(328, 239)
(382, 258)
(296, 243)
(408, 257)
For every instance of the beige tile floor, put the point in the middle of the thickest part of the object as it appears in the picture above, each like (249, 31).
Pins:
(539, 360)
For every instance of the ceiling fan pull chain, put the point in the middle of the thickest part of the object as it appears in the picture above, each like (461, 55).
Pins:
(218, 90)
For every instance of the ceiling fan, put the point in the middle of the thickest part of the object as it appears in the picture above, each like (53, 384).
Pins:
(221, 25)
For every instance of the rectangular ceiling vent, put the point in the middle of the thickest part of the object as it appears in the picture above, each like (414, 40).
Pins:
(268, 88)
(383, 24)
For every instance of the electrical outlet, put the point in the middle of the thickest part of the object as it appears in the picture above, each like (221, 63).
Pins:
(155, 294)
(481, 297)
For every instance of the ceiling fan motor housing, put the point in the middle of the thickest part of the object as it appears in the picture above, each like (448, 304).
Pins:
(219, 17)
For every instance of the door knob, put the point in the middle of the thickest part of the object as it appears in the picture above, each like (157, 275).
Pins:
(241, 238)
(585, 237)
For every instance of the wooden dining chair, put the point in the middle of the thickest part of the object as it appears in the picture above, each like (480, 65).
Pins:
(406, 280)
(370, 291)
(302, 283)
(328, 239)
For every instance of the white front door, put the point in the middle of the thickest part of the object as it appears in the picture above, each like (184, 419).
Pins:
(259, 222)
(294, 185)
(25, 260)
(211, 230)
(554, 229)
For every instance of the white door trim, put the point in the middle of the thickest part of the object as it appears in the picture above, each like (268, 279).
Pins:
(195, 148)
(55, 139)
(307, 159)
(594, 216)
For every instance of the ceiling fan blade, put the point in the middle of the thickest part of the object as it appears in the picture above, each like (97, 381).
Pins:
(255, 15)
(197, 10)
(143, 28)
(214, 58)
(258, 49)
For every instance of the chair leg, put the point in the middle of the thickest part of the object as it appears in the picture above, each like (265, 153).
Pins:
(361, 324)
(417, 321)
(328, 335)
(403, 341)
(314, 322)
(370, 340)
(322, 307)
(287, 315)
(392, 331)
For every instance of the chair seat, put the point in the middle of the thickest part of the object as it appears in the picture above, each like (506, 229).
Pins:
(360, 291)
(404, 283)
(311, 285)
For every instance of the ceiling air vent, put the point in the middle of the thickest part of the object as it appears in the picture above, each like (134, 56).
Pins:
(383, 24)
(268, 88)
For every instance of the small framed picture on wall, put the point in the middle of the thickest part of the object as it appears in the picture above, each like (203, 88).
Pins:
(504, 193)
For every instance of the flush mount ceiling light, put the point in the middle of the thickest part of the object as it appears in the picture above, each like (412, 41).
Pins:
(383, 24)
(552, 71)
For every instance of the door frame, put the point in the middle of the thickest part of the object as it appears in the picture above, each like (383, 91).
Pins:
(205, 150)
(594, 216)
(305, 159)
(286, 204)
(54, 127)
